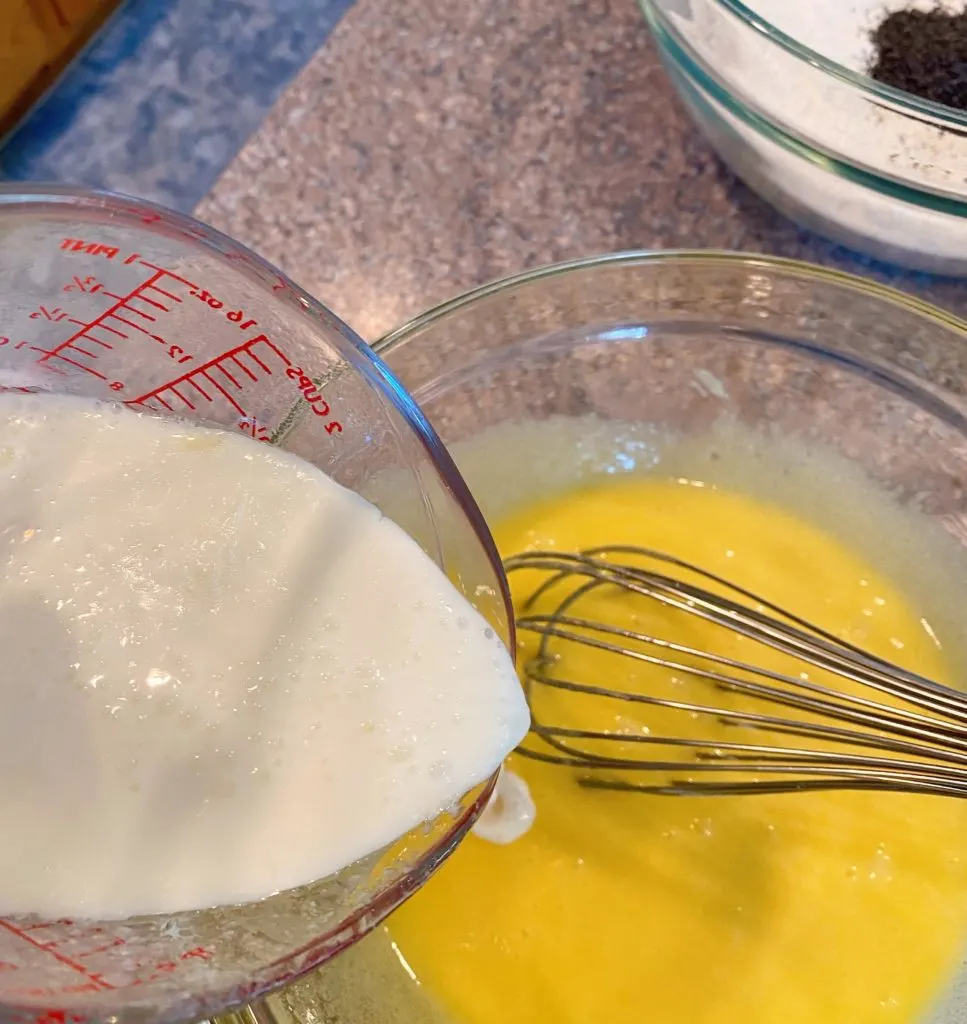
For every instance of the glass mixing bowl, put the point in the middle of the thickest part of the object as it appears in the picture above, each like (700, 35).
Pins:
(862, 163)
(678, 339)
(112, 298)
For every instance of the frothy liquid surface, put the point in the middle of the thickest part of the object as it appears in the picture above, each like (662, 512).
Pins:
(224, 674)
(845, 908)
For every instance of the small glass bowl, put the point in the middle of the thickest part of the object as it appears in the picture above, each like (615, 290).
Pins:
(862, 163)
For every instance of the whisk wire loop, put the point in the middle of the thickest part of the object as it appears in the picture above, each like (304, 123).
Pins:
(913, 741)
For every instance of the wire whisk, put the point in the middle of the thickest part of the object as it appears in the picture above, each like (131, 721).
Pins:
(619, 692)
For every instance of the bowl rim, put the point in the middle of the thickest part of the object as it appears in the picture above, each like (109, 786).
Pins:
(704, 87)
(898, 98)
(397, 336)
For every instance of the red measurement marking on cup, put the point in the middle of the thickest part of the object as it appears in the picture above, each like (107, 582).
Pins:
(50, 948)
(130, 315)
(82, 943)
(89, 284)
(221, 381)
(43, 313)
(89, 248)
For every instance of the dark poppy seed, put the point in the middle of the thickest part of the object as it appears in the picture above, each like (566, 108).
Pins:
(923, 53)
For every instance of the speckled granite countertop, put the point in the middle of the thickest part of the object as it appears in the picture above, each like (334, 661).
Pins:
(430, 146)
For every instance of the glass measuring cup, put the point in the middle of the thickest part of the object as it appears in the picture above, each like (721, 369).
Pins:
(112, 298)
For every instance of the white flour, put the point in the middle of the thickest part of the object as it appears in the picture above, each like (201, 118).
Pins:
(833, 118)
(840, 30)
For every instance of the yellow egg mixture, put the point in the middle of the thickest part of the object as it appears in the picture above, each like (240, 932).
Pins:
(829, 908)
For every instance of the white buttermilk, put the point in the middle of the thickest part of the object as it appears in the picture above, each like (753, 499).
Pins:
(223, 675)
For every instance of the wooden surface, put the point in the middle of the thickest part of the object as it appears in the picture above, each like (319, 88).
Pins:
(37, 40)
